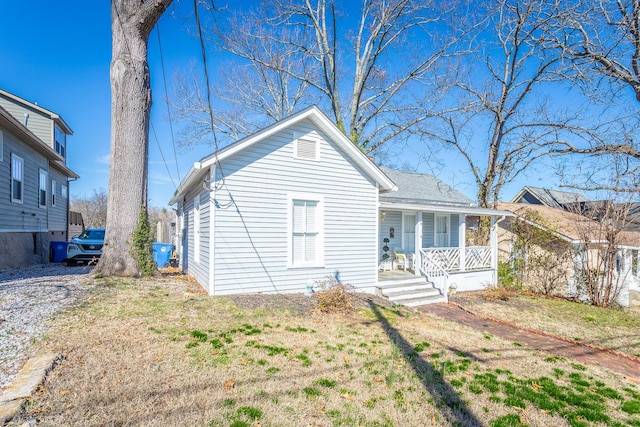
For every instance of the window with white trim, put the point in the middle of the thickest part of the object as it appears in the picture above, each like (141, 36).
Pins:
(305, 146)
(53, 193)
(306, 233)
(17, 178)
(196, 228)
(63, 191)
(42, 193)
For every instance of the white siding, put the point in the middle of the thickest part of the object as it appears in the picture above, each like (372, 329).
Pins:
(200, 268)
(251, 217)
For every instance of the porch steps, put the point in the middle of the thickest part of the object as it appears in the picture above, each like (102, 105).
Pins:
(410, 292)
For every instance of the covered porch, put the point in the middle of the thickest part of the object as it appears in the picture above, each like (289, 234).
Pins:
(432, 241)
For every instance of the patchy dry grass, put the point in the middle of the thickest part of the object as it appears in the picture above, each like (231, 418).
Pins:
(612, 328)
(151, 352)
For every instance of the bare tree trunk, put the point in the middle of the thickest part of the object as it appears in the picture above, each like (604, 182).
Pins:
(131, 23)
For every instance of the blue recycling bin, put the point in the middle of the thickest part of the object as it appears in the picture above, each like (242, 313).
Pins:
(58, 250)
(162, 253)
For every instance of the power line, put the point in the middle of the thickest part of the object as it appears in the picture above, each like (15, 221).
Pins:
(166, 96)
(203, 52)
(161, 154)
(126, 42)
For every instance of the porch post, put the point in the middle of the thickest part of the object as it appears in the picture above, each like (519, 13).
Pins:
(627, 261)
(494, 248)
(417, 259)
(462, 241)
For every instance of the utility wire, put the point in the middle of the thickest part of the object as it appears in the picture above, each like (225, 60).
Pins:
(126, 42)
(166, 97)
(206, 76)
(155, 135)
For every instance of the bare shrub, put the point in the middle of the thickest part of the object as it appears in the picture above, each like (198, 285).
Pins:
(498, 293)
(600, 269)
(335, 297)
(543, 258)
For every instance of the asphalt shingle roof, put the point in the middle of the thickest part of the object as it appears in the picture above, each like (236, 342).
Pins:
(552, 198)
(422, 188)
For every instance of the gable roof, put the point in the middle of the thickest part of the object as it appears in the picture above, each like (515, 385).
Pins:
(568, 225)
(423, 188)
(30, 139)
(33, 106)
(547, 197)
(312, 113)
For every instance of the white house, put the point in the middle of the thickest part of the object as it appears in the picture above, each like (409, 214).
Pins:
(297, 202)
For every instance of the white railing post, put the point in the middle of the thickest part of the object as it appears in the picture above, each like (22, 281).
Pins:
(494, 248)
(417, 260)
(462, 241)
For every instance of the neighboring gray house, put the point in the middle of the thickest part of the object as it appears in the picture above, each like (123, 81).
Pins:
(543, 196)
(35, 191)
(297, 202)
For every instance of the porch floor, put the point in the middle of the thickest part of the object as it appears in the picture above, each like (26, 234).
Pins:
(396, 275)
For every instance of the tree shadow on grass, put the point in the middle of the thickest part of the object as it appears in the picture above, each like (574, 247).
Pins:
(445, 398)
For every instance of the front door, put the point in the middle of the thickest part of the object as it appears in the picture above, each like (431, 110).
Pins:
(442, 231)
(409, 233)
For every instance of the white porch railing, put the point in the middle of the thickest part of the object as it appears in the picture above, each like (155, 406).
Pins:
(450, 259)
(431, 268)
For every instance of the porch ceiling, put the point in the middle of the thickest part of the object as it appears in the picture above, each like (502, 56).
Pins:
(425, 207)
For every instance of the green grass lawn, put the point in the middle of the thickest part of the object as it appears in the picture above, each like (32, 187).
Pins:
(152, 352)
(617, 329)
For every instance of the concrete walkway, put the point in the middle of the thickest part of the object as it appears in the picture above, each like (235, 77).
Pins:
(580, 352)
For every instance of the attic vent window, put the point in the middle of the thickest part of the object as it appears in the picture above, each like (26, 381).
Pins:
(306, 147)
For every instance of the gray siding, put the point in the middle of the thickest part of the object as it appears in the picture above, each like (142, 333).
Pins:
(392, 219)
(57, 213)
(38, 123)
(251, 232)
(428, 230)
(454, 231)
(26, 216)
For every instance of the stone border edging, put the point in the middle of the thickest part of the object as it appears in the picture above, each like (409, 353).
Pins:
(548, 335)
(30, 376)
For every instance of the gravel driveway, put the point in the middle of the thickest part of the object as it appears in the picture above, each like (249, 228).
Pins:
(29, 297)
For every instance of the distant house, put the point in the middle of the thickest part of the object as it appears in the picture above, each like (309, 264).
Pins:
(296, 203)
(582, 239)
(35, 195)
(576, 203)
(543, 196)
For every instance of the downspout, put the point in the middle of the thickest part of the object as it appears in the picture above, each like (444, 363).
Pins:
(69, 181)
(212, 231)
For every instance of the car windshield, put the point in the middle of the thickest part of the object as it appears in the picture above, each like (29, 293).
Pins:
(92, 234)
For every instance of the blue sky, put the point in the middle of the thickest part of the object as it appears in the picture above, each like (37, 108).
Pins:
(58, 53)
